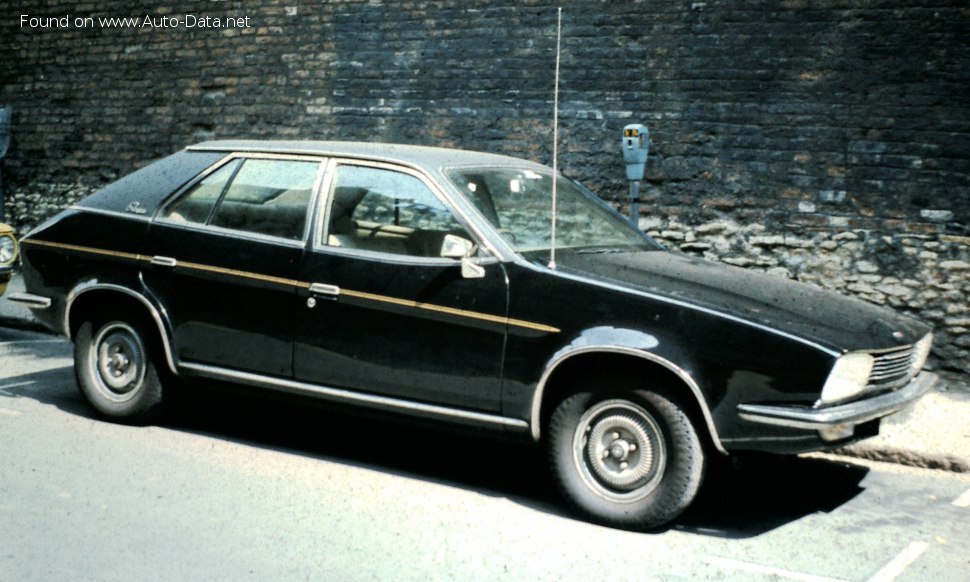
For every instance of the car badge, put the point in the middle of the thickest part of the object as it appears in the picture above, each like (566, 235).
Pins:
(135, 208)
(898, 335)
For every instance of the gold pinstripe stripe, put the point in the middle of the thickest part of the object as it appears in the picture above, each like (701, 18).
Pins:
(243, 274)
(449, 310)
(304, 285)
(56, 245)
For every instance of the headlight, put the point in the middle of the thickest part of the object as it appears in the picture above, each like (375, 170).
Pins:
(848, 377)
(8, 248)
(921, 353)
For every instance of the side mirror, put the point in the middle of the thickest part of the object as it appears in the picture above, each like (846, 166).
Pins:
(456, 247)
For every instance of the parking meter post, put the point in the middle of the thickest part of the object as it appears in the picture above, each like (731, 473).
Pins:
(5, 114)
(635, 203)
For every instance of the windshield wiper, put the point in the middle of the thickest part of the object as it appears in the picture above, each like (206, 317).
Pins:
(600, 251)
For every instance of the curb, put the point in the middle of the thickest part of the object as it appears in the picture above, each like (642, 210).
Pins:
(898, 456)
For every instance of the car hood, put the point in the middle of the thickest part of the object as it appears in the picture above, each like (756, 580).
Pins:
(825, 317)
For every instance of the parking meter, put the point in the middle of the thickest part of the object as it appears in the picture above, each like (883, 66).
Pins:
(5, 113)
(636, 148)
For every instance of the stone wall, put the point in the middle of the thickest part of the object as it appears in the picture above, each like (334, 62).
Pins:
(923, 276)
(814, 120)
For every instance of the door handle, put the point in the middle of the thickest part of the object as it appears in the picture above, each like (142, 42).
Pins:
(163, 261)
(324, 290)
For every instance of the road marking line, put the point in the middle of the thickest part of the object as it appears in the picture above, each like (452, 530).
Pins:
(27, 383)
(768, 570)
(963, 500)
(898, 565)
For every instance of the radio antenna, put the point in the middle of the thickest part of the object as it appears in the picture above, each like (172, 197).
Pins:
(555, 141)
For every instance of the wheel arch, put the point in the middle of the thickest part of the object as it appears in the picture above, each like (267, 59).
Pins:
(92, 294)
(553, 382)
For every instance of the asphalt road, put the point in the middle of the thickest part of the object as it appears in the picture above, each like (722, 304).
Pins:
(242, 488)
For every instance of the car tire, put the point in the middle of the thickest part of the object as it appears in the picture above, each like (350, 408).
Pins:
(631, 460)
(114, 363)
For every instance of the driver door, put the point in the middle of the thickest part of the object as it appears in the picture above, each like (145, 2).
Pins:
(384, 312)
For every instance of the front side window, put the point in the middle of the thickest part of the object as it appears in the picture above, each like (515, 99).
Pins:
(382, 210)
(518, 203)
(261, 196)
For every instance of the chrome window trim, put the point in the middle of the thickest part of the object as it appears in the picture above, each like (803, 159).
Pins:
(535, 418)
(112, 213)
(323, 216)
(321, 230)
(233, 233)
(380, 257)
(360, 398)
(245, 234)
(558, 273)
(94, 285)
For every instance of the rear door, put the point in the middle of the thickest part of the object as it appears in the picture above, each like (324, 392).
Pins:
(225, 256)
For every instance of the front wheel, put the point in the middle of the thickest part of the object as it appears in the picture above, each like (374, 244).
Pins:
(115, 371)
(630, 460)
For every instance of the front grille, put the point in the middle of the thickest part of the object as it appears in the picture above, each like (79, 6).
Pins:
(892, 367)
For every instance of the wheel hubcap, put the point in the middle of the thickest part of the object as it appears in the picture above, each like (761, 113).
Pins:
(619, 450)
(119, 360)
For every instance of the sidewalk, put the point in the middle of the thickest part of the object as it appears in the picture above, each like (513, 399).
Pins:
(934, 433)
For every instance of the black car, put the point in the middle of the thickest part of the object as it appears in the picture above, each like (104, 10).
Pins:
(431, 283)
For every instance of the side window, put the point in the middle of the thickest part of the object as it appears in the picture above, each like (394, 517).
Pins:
(268, 197)
(386, 211)
(255, 195)
(197, 204)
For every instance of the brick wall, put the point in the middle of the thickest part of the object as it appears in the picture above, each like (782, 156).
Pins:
(804, 118)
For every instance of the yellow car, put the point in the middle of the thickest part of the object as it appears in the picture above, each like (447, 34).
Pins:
(8, 255)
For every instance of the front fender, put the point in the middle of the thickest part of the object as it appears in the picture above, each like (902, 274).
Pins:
(630, 342)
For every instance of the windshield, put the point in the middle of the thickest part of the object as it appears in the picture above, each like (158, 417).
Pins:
(518, 203)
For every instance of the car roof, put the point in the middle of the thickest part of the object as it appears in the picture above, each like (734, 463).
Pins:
(414, 155)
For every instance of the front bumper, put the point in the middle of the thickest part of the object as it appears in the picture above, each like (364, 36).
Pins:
(837, 422)
(31, 300)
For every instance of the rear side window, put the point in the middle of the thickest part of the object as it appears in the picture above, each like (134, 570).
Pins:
(261, 196)
(197, 204)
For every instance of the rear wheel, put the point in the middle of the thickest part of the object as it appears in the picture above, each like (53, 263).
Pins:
(630, 459)
(116, 372)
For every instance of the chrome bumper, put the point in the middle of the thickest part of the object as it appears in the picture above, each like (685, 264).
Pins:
(30, 300)
(843, 415)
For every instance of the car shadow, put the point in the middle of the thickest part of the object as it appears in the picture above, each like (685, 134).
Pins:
(746, 498)
(755, 493)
